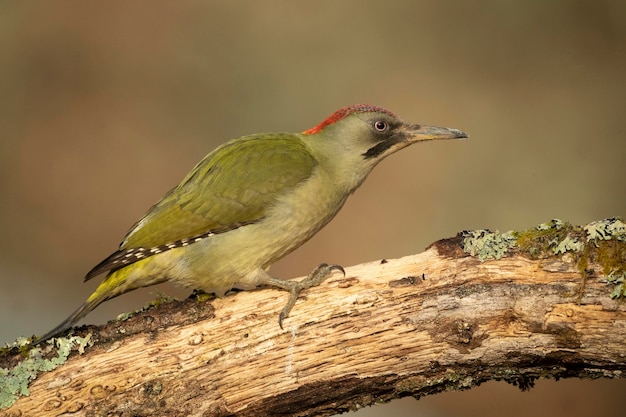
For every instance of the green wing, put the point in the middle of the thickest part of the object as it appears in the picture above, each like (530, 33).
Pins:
(233, 185)
(236, 183)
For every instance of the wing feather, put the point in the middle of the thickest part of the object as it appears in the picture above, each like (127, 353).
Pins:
(232, 186)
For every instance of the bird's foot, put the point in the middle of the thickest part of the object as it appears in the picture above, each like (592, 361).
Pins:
(319, 274)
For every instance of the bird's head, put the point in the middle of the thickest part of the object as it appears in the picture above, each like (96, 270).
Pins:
(355, 138)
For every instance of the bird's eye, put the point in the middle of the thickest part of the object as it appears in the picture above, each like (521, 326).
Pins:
(380, 126)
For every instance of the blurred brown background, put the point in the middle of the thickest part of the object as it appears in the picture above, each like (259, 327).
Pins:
(105, 106)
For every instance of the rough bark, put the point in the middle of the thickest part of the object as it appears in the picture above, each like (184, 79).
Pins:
(417, 325)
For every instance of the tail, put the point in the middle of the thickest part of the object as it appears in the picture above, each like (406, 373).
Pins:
(92, 302)
(116, 283)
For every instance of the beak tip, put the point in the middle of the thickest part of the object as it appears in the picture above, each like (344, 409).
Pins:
(460, 134)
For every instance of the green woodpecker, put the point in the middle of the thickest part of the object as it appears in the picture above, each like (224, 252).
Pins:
(250, 202)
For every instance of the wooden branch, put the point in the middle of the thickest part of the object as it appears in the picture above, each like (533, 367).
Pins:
(418, 325)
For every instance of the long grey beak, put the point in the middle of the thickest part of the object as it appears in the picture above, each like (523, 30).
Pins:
(416, 133)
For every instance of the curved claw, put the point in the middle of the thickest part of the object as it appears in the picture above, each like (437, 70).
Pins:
(336, 267)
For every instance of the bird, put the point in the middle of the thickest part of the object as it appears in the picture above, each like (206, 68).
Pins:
(250, 202)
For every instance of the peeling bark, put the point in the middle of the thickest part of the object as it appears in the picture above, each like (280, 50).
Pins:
(418, 325)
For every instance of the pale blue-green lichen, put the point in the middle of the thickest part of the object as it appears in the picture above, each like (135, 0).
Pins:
(608, 236)
(569, 244)
(552, 224)
(602, 242)
(486, 244)
(619, 280)
(606, 229)
(14, 382)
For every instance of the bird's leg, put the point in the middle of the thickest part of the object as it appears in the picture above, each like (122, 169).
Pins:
(319, 274)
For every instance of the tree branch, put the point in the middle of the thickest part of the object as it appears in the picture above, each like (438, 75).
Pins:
(415, 326)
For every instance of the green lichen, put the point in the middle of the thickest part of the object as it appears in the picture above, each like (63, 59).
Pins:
(600, 243)
(554, 224)
(160, 299)
(618, 279)
(201, 296)
(611, 255)
(551, 238)
(14, 382)
(487, 244)
(607, 245)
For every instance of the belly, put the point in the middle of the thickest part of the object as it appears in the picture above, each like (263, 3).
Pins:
(240, 258)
